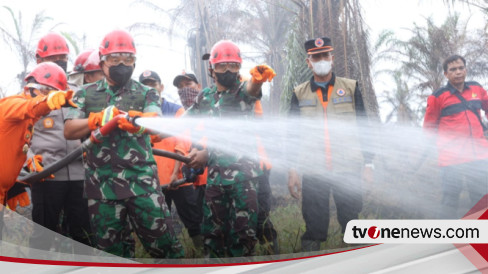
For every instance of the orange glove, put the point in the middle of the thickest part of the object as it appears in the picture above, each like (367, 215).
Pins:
(134, 113)
(34, 164)
(99, 119)
(124, 124)
(156, 139)
(57, 99)
(17, 195)
(262, 73)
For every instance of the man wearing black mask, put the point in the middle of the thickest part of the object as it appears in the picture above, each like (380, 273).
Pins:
(53, 48)
(122, 183)
(231, 205)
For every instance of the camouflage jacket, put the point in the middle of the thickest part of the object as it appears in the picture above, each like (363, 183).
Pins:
(225, 167)
(122, 165)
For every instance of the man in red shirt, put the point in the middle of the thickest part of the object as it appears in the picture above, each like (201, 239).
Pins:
(453, 111)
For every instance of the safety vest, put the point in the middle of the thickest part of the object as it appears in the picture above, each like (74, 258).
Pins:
(342, 152)
(97, 99)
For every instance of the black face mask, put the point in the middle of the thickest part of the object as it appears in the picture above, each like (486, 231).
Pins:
(120, 74)
(63, 64)
(227, 79)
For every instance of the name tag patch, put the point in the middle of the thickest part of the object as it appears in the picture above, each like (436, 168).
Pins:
(340, 100)
(307, 103)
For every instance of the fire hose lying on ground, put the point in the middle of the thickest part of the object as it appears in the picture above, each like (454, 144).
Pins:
(189, 174)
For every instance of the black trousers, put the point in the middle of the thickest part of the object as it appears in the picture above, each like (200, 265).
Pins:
(475, 176)
(185, 199)
(266, 231)
(316, 191)
(48, 199)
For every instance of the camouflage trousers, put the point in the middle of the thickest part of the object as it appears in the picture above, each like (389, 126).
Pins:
(230, 219)
(147, 215)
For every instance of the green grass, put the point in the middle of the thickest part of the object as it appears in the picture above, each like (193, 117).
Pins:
(287, 219)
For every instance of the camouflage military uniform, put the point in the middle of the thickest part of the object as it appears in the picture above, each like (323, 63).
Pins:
(121, 181)
(230, 208)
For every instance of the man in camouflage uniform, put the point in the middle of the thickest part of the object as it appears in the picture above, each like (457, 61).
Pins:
(230, 208)
(121, 175)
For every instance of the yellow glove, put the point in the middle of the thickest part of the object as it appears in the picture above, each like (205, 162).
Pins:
(262, 73)
(57, 99)
(99, 119)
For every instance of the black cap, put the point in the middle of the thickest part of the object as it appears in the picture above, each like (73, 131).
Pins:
(149, 75)
(184, 76)
(318, 45)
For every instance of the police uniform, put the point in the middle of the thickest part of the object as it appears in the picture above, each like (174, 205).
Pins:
(64, 191)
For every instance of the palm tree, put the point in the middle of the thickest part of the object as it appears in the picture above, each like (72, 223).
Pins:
(21, 39)
(207, 22)
(267, 24)
(480, 4)
(400, 100)
(78, 44)
(421, 56)
(261, 24)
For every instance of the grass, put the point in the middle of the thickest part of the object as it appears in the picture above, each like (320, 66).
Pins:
(287, 219)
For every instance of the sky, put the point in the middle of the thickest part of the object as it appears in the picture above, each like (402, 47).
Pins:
(167, 56)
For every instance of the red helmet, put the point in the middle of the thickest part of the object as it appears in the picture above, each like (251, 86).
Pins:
(87, 61)
(80, 61)
(117, 41)
(49, 74)
(225, 51)
(52, 44)
(92, 63)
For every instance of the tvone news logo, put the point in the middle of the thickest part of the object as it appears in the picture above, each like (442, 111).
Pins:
(374, 232)
(416, 231)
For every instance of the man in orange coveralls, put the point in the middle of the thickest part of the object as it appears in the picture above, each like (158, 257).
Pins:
(18, 113)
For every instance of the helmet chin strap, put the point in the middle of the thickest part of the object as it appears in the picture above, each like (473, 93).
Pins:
(33, 93)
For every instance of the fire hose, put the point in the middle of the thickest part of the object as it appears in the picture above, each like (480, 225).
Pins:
(95, 137)
(189, 176)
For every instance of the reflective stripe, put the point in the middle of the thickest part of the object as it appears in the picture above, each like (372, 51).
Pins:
(474, 105)
(320, 96)
(108, 114)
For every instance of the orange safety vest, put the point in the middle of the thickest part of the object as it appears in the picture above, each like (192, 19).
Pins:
(328, 158)
(167, 165)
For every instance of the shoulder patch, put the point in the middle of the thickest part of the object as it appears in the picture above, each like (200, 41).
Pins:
(48, 122)
(473, 83)
(440, 91)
